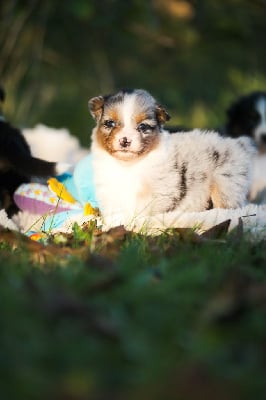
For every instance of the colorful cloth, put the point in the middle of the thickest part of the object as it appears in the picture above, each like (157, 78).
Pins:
(64, 196)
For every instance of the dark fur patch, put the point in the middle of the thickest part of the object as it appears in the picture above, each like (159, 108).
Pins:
(17, 165)
(242, 116)
(244, 173)
(161, 114)
(216, 156)
(96, 107)
(183, 183)
(182, 186)
(175, 166)
(2, 94)
(174, 204)
(209, 204)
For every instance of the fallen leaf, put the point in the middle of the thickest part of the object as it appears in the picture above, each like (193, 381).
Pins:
(38, 252)
(217, 231)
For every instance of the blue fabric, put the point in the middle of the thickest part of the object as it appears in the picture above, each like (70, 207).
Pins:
(58, 219)
(81, 184)
(84, 182)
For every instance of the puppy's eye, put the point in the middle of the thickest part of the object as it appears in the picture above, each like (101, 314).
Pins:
(109, 124)
(145, 128)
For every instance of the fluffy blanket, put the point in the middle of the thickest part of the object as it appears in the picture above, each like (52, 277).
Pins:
(42, 141)
(253, 219)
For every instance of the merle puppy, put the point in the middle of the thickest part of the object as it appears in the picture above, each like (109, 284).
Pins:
(140, 169)
(17, 165)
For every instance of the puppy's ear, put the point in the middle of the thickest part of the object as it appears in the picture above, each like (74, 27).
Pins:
(161, 114)
(96, 107)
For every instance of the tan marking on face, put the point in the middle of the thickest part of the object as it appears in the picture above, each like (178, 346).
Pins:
(112, 113)
(138, 118)
(149, 143)
(105, 139)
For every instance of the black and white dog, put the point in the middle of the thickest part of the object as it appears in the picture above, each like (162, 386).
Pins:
(247, 116)
(17, 165)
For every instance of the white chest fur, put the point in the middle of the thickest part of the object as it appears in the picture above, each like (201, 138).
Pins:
(124, 187)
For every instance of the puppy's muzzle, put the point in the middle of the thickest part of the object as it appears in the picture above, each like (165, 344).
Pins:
(124, 142)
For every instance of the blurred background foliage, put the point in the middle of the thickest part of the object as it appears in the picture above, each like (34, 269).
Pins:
(194, 56)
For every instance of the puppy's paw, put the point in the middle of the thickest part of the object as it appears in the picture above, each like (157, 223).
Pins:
(61, 168)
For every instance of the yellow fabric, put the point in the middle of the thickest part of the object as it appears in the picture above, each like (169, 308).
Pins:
(89, 210)
(59, 189)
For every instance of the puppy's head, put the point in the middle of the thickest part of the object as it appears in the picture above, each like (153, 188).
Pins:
(128, 123)
(247, 116)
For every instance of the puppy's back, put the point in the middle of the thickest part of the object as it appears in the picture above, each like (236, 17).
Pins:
(222, 164)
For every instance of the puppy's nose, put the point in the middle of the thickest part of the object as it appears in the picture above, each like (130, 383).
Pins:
(124, 142)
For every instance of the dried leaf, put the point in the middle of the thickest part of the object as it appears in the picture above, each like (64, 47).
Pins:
(217, 231)
(187, 235)
(38, 252)
(108, 244)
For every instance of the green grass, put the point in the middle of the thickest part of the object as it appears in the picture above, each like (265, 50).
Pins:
(120, 315)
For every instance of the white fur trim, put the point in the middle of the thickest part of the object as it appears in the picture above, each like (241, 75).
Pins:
(5, 222)
(53, 144)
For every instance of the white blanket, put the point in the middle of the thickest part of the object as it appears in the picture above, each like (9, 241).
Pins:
(253, 218)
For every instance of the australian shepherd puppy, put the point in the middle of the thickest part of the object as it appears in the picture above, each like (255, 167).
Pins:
(247, 116)
(17, 165)
(140, 169)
